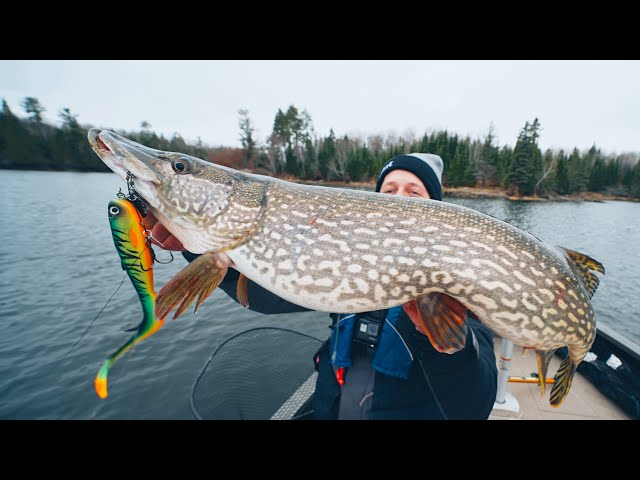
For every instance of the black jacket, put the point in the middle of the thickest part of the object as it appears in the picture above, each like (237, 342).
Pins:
(455, 386)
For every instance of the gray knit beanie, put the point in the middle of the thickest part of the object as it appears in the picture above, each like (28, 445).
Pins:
(426, 166)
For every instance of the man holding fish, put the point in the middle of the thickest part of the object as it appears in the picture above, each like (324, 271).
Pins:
(381, 364)
(433, 265)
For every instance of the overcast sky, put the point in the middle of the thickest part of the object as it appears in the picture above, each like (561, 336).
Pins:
(578, 103)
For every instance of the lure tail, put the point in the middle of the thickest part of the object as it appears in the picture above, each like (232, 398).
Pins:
(146, 329)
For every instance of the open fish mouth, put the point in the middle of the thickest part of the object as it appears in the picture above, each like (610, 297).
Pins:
(107, 155)
(123, 155)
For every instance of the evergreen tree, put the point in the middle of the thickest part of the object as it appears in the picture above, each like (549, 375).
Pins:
(3, 133)
(68, 119)
(33, 109)
(613, 172)
(460, 171)
(295, 123)
(628, 177)
(281, 127)
(177, 143)
(149, 138)
(527, 162)
(292, 129)
(327, 154)
(576, 170)
(562, 175)
(503, 165)
(199, 150)
(635, 183)
(311, 164)
(246, 136)
(17, 148)
(357, 163)
(485, 165)
(597, 178)
(425, 144)
(70, 144)
(291, 163)
(39, 132)
(440, 146)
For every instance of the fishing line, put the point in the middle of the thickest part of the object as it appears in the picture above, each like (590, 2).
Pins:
(92, 322)
(112, 295)
(426, 377)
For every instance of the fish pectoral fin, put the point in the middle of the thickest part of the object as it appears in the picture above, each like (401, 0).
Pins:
(198, 279)
(585, 266)
(444, 320)
(543, 357)
(242, 290)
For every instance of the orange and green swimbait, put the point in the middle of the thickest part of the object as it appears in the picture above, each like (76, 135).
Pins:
(137, 257)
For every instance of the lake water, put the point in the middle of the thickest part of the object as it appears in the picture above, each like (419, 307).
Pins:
(58, 268)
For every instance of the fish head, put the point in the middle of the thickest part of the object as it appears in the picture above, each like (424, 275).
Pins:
(186, 194)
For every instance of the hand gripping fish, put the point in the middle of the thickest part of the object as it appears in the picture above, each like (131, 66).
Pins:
(133, 247)
(341, 250)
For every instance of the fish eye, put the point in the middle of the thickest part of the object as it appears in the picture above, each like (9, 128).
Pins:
(113, 210)
(181, 165)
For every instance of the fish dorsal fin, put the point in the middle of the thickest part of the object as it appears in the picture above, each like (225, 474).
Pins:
(585, 264)
(443, 318)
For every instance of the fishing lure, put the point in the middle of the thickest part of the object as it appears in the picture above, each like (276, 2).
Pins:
(132, 242)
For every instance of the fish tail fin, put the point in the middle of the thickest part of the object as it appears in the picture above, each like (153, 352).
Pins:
(563, 379)
(543, 357)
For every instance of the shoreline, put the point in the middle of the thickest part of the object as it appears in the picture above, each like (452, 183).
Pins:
(486, 192)
(459, 192)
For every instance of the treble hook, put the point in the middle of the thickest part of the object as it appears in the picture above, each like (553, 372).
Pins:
(133, 195)
(163, 263)
(149, 235)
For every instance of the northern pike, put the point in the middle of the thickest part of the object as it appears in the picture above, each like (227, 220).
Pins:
(349, 251)
(136, 257)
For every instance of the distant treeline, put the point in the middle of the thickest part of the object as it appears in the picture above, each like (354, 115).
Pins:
(293, 149)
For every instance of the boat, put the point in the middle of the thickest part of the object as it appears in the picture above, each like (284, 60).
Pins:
(251, 376)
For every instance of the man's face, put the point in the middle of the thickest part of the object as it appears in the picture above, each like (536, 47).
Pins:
(402, 182)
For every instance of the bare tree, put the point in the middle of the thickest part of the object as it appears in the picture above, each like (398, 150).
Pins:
(390, 140)
(338, 168)
(375, 143)
(275, 153)
(409, 137)
(549, 166)
(247, 131)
